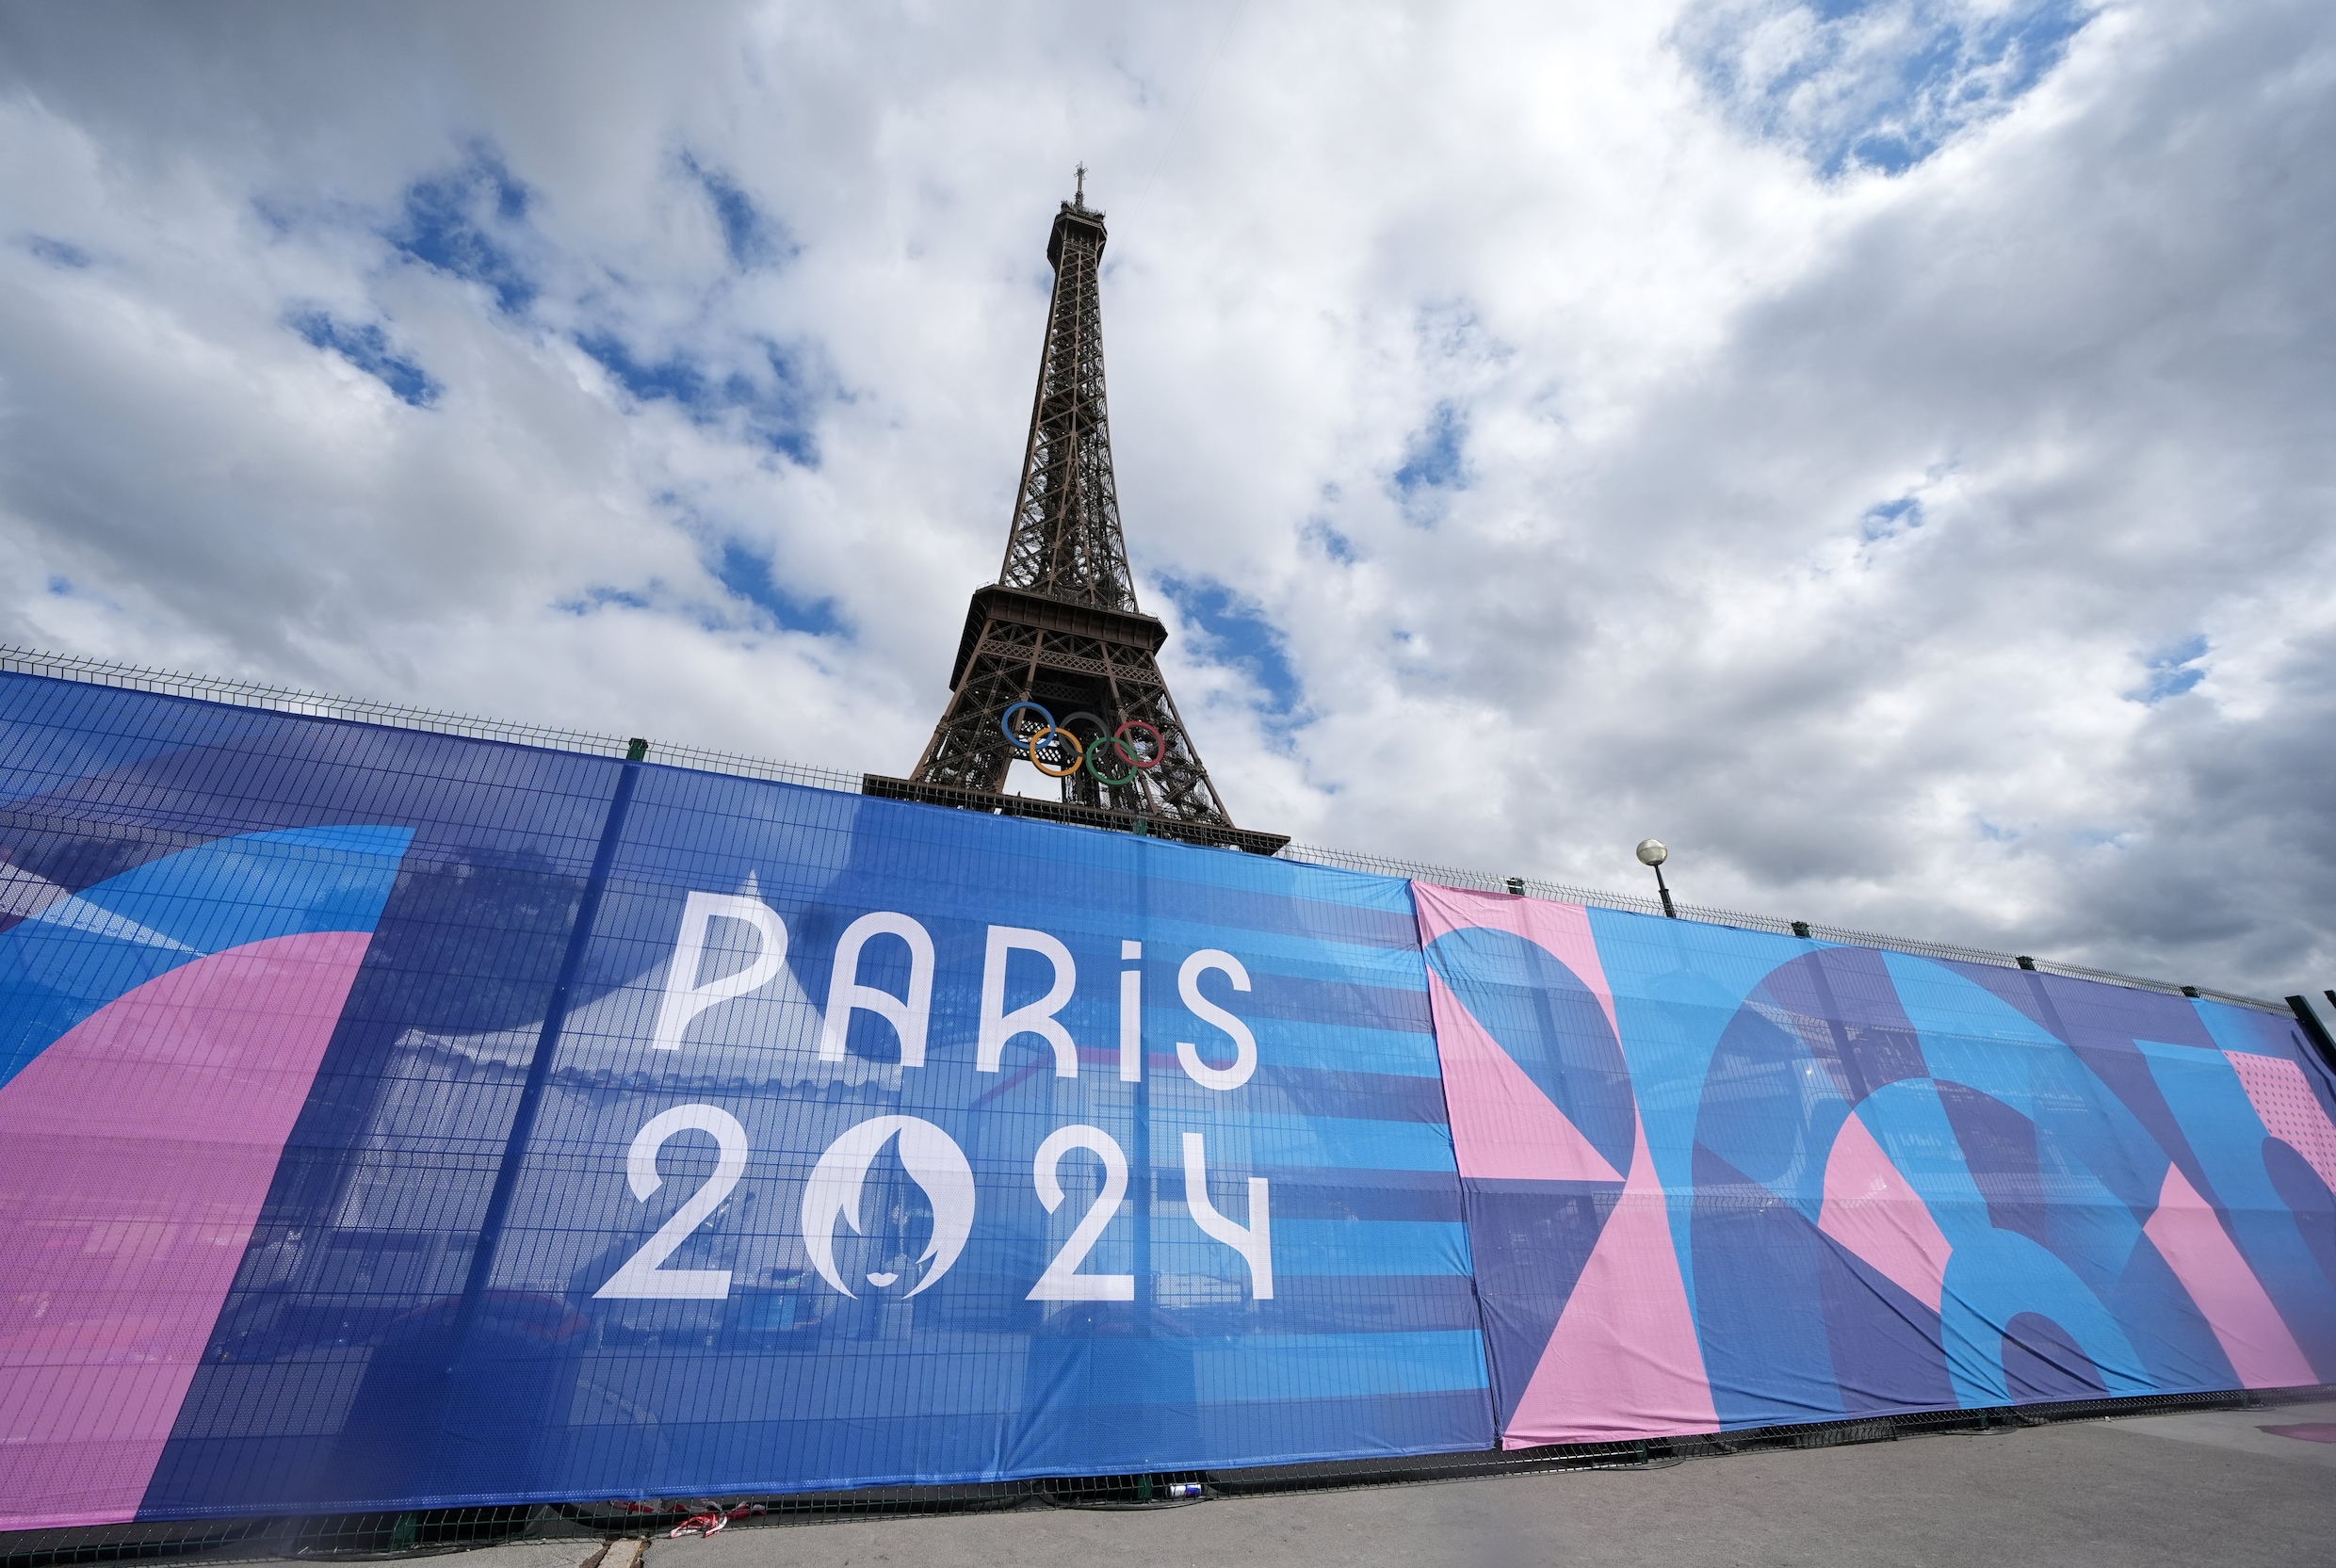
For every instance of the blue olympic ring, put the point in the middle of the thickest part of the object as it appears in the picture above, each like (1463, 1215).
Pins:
(1021, 744)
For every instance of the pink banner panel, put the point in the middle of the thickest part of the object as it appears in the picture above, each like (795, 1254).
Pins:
(134, 1154)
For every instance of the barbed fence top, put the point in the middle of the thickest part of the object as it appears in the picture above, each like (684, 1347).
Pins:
(257, 694)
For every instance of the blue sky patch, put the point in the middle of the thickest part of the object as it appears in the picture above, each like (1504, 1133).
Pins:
(1434, 460)
(465, 223)
(752, 236)
(748, 575)
(57, 252)
(366, 346)
(1874, 84)
(1239, 635)
(775, 403)
(1334, 544)
(677, 377)
(2172, 672)
(1890, 519)
(600, 597)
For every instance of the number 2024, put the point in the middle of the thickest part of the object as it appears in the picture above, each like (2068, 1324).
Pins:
(935, 1163)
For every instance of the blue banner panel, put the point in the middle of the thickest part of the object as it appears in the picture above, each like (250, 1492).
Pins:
(604, 1129)
(1721, 1179)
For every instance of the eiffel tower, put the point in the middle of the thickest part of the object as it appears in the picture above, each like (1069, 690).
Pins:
(1057, 665)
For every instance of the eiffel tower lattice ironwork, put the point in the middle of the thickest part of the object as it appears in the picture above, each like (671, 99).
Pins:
(1059, 628)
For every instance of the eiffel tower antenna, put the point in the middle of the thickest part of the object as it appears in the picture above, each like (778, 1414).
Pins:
(1061, 628)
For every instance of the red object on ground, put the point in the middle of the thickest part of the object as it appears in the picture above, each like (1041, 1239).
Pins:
(707, 1523)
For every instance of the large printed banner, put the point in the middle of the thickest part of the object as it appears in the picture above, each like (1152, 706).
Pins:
(394, 1119)
(397, 1119)
(1719, 1179)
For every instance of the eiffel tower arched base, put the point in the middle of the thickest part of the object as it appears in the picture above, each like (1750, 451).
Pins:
(1210, 833)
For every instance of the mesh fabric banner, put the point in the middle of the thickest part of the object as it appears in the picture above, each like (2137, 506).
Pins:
(390, 1119)
(1720, 1179)
(401, 1120)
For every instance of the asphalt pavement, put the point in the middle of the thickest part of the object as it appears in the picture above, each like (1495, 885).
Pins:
(2225, 1488)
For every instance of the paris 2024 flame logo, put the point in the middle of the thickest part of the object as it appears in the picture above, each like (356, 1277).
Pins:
(933, 1160)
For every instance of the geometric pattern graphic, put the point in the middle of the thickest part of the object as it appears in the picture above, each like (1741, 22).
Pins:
(1588, 1324)
(1846, 1181)
(2283, 1098)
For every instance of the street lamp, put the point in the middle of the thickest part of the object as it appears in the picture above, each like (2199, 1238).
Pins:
(1652, 853)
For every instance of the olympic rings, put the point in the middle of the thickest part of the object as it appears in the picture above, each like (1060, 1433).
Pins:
(1088, 753)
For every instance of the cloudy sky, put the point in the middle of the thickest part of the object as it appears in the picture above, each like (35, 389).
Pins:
(1887, 451)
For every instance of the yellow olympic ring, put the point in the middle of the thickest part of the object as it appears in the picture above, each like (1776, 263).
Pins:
(1078, 753)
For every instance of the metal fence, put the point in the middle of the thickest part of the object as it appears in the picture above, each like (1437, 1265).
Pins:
(278, 698)
(257, 694)
(1564, 892)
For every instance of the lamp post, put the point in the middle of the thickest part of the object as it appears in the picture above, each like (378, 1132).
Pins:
(1652, 853)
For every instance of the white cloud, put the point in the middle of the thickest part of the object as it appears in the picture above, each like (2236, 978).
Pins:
(1605, 435)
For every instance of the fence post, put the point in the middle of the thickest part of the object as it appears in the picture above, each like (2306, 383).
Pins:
(2314, 1030)
(540, 1065)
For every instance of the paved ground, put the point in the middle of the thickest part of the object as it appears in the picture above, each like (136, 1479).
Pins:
(2204, 1488)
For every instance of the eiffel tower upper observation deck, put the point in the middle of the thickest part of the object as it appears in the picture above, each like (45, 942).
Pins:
(1057, 664)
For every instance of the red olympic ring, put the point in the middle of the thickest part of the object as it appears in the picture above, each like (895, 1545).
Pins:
(1160, 747)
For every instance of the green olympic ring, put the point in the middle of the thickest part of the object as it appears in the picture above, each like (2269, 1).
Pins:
(1094, 761)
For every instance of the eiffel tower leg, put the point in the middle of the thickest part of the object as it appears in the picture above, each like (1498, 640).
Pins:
(969, 748)
(1178, 788)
